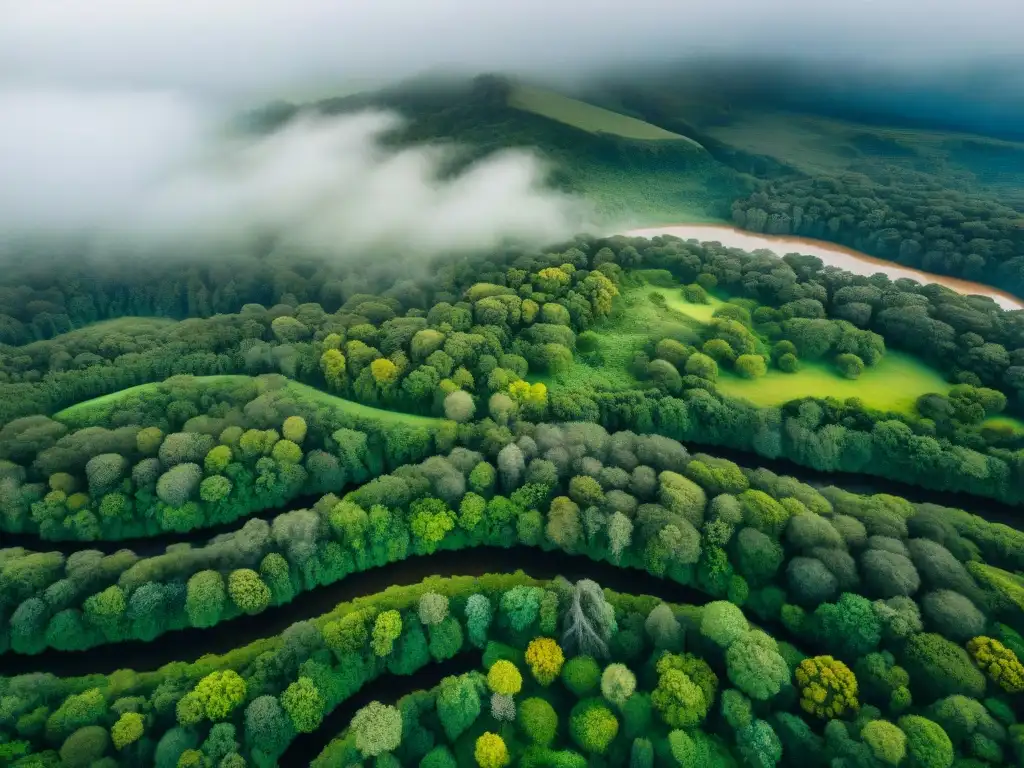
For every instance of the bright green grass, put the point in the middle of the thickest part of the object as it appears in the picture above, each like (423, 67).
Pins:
(98, 408)
(893, 384)
(702, 313)
(1004, 422)
(304, 392)
(587, 117)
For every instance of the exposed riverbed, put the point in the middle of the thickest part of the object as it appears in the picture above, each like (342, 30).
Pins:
(831, 254)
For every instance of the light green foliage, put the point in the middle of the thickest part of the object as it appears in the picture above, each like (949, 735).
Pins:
(386, 629)
(928, 746)
(683, 750)
(471, 511)
(593, 726)
(458, 704)
(431, 520)
(214, 488)
(351, 522)
(348, 634)
(702, 366)
(219, 693)
(722, 623)
(490, 751)
(148, 440)
(678, 699)
(105, 611)
(127, 730)
(750, 366)
(581, 675)
(755, 665)
(887, 742)
(304, 705)
(482, 478)
(115, 507)
(286, 452)
(682, 496)
(521, 605)
(294, 429)
(736, 709)
(504, 678)
(204, 598)
(762, 512)
(217, 459)
(618, 683)
(538, 721)
(585, 491)
(76, 711)
(248, 591)
(433, 608)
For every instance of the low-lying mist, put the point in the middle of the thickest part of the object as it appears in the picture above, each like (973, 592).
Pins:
(153, 170)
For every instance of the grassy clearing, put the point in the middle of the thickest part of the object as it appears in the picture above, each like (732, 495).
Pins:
(99, 408)
(306, 393)
(587, 117)
(894, 384)
(702, 313)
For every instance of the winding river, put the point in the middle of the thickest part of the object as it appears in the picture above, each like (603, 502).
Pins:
(831, 254)
(191, 643)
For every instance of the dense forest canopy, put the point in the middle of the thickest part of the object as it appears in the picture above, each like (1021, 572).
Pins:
(338, 436)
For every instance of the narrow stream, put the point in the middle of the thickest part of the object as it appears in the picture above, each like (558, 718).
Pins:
(388, 688)
(151, 546)
(189, 644)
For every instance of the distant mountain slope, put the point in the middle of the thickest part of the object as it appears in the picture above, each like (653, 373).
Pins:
(587, 117)
(633, 172)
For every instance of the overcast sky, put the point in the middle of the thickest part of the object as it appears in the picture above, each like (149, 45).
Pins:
(111, 112)
(256, 45)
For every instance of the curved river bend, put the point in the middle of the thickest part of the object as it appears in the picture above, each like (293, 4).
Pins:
(831, 254)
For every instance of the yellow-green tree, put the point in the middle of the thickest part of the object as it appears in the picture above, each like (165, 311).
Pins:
(504, 678)
(490, 751)
(828, 688)
(545, 658)
(998, 662)
(332, 364)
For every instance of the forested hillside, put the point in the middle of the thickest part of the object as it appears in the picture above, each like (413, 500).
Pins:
(179, 460)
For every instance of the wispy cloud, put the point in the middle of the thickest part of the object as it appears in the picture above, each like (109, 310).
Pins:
(134, 167)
